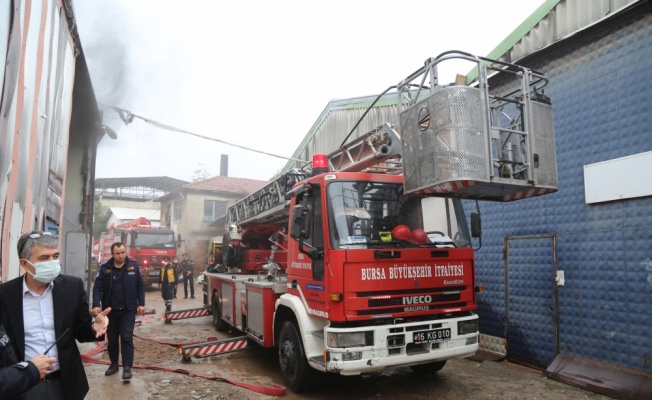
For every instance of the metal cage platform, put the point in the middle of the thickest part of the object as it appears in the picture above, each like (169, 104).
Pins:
(466, 141)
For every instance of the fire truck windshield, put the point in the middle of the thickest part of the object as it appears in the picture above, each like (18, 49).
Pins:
(153, 239)
(365, 215)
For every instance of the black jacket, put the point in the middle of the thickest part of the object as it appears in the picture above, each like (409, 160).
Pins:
(14, 380)
(70, 311)
(187, 266)
(134, 285)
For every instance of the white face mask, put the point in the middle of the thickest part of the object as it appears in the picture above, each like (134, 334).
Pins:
(46, 271)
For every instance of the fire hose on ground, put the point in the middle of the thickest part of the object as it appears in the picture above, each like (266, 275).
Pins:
(272, 389)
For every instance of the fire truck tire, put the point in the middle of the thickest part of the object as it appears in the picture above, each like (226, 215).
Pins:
(219, 324)
(428, 368)
(292, 358)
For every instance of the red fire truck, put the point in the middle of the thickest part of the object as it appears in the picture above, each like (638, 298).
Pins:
(362, 260)
(146, 244)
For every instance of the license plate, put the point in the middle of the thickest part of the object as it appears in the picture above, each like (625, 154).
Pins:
(153, 272)
(435, 335)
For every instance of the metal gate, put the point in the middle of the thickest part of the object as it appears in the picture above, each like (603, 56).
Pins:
(532, 326)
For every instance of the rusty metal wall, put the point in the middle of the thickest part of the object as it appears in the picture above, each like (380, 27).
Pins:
(35, 110)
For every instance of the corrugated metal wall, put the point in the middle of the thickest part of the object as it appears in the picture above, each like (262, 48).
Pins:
(566, 18)
(337, 120)
(600, 90)
(49, 130)
(35, 114)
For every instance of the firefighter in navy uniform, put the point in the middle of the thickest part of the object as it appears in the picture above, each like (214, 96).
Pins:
(119, 285)
(18, 377)
(168, 282)
(188, 271)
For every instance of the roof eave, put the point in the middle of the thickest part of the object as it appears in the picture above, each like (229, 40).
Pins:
(516, 35)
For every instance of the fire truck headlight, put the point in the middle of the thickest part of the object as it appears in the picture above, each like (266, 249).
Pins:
(466, 327)
(349, 339)
(352, 355)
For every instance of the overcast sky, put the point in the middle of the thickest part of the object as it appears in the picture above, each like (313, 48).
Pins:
(258, 73)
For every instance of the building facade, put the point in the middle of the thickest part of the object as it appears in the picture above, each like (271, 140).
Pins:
(193, 209)
(49, 130)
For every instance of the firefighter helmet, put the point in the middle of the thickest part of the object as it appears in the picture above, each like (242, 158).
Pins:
(419, 236)
(401, 232)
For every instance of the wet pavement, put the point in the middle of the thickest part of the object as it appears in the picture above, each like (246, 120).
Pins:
(170, 379)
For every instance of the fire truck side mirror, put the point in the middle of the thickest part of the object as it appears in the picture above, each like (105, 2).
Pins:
(476, 225)
(300, 222)
(178, 240)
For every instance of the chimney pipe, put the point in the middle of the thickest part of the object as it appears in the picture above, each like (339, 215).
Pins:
(224, 165)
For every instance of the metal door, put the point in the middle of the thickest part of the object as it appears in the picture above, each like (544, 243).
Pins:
(531, 299)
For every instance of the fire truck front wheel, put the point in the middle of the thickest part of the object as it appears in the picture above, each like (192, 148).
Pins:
(292, 358)
(219, 324)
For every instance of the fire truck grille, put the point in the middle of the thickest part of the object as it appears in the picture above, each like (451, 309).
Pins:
(395, 310)
(413, 300)
(398, 301)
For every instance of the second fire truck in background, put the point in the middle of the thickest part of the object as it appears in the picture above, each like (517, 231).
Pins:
(146, 244)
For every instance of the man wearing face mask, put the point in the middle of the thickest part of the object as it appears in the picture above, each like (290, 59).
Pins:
(44, 312)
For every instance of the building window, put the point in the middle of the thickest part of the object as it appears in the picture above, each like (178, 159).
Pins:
(178, 210)
(213, 209)
(167, 215)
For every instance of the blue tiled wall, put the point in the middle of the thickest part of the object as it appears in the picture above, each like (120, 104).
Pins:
(601, 91)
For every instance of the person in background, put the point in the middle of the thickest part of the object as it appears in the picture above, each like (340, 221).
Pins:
(168, 281)
(188, 271)
(119, 285)
(18, 377)
(44, 312)
(177, 270)
(218, 256)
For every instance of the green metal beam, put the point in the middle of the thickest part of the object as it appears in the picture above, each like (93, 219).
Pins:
(517, 34)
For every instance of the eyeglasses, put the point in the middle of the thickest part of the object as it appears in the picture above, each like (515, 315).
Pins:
(34, 235)
(39, 234)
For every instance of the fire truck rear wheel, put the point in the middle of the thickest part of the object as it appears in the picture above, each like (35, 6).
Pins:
(428, 368)
(219, 324)
(292, 358)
